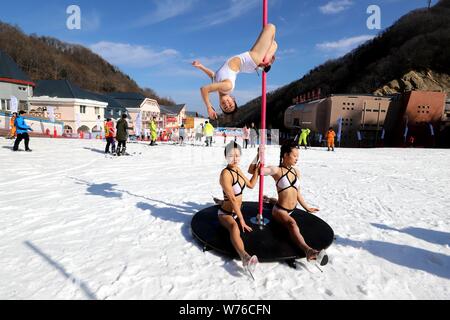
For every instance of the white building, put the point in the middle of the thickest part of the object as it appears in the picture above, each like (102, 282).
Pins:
(80, 110)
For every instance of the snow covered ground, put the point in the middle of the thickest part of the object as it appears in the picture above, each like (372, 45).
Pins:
(78, 225)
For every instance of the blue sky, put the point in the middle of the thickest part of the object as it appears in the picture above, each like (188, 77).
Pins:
(154, 41)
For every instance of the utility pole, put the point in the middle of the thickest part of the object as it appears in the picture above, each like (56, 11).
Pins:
(429, 4)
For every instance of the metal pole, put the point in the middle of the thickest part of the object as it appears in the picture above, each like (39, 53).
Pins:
(263, 126)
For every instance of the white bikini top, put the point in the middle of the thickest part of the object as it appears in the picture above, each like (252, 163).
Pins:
(284, 183)
(238, 188)
(225, 72)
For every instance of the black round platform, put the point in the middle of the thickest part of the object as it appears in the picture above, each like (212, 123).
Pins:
(270, 244)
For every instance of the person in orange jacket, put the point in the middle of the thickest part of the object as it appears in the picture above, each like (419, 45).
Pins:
(12, 126)
(109, 135)
(330, 136)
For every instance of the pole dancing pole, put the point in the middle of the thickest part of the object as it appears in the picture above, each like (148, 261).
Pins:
(263, 127)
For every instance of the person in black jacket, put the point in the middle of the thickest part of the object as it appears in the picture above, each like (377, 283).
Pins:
(122, 135)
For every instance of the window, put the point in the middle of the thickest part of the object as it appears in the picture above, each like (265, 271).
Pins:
(97, 110)
(368, 110)
(383, 111)
(296, 122)
(82, 109)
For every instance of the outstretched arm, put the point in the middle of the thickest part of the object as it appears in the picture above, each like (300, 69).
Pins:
(201, 67)
(214, 87)
(270, 171)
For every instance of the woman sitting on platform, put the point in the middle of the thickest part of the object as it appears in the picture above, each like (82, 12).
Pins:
(233, 182)
(287, 178)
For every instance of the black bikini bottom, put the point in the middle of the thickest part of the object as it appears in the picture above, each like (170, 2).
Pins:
(290, 212)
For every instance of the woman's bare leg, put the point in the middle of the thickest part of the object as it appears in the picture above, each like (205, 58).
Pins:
(264, 44)
(282, 217)
(235, 236)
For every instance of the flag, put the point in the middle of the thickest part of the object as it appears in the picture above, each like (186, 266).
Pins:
(99, 125)
(358, 133)
(14, 104)
(406, 130)
(78, 121)
(383, 134)
(339, 135)
(431, 129)
(51, 113)
(138, 124)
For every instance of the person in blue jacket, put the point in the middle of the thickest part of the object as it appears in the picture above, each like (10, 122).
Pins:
(22, 132)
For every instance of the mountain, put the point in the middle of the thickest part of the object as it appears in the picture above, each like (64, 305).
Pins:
(414, 53)
(45, 58)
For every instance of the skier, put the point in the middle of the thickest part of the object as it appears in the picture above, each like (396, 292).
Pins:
(209, 133)
(153, 132)
(245, 136)
(199, 133)
(122, 135)
(330, 136)
(12, 127)
(253, 136)
(182, 135)
(22, 132)
(109, 135)
(304, 138)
